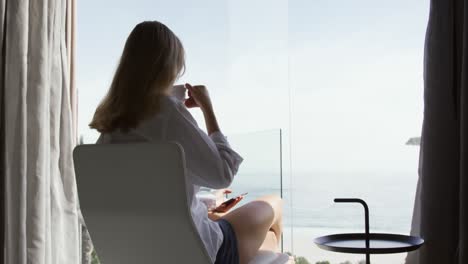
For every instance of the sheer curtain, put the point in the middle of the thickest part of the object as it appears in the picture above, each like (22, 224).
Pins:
(41, 224)
(441, 208)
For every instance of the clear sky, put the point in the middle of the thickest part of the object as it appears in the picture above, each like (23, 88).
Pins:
(353, 70)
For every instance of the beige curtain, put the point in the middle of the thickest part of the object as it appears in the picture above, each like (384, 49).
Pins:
(38, 114)
(71, 43)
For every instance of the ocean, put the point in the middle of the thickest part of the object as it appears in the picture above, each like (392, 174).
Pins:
(309, 203)
(310, 212)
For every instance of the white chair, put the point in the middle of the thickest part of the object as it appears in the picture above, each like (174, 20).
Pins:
(133, 199)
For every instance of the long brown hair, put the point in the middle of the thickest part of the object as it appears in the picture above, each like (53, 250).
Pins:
(153, 58)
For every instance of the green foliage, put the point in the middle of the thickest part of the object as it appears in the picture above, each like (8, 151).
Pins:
(301, 260)
(94, 258)
(298, 260)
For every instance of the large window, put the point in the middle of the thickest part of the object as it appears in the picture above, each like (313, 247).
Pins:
(341, 79)
(356, 75)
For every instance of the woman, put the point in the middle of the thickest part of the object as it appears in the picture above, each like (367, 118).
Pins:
(138, 107)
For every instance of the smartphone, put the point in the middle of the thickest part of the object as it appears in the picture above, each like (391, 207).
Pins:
(230, 201)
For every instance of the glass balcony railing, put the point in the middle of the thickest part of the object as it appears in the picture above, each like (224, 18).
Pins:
(261, 172)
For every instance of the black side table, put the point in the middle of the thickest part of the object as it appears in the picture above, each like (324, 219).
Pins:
(367, 243)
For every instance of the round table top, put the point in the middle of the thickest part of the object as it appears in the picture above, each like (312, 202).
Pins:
(378, 243)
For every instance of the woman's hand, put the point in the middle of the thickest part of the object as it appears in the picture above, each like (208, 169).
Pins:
(221, 210)
(215, 216)
(226, 206)
(198, 97)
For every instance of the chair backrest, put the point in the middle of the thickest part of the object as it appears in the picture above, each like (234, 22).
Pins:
(134, 201)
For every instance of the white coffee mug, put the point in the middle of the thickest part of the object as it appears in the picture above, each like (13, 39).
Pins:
(178, 91)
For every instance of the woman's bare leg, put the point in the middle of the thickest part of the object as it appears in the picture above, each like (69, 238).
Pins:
(277, 203)
(252, 224)
(270, 243)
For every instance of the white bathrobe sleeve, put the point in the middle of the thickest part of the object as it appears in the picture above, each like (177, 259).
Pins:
(210, 160)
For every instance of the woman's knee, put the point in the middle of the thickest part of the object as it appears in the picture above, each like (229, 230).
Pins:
(262, 212)
(272, 199)
(253, 219)
(275, 202)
